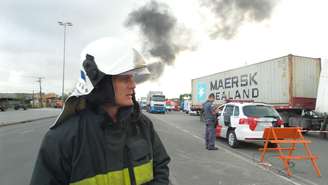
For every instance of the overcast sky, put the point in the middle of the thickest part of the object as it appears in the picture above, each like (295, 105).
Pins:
(199, 37)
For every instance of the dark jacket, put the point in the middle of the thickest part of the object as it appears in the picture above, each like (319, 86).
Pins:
(208, 111)
(90, 149)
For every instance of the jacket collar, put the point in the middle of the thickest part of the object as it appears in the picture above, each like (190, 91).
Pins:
(123, 115)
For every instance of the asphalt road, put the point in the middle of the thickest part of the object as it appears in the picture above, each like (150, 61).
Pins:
(231, 166)
(19, 146)
(183, 137)
(14, 116)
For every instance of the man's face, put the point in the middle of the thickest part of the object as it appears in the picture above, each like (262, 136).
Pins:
(124, 86)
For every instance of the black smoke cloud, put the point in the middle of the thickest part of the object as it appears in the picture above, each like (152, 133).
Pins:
(231, 14)
(162, 36)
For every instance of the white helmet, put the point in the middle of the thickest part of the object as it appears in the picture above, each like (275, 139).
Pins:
(106, 56)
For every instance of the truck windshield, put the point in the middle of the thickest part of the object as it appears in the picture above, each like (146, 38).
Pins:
(158, 98)
(260, 111)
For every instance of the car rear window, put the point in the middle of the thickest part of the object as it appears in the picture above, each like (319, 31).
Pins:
(259, 111)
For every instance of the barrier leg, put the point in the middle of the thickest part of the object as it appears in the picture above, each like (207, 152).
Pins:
(291, 151)
(266, 143)
(285, 161)
(314, 163)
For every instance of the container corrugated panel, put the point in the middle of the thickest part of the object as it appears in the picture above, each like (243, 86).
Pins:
(274, 81)
(266, 82)
(306, 74)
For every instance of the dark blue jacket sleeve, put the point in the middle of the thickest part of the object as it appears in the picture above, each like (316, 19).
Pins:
(161, 161)
(50, 167)
(160, 158)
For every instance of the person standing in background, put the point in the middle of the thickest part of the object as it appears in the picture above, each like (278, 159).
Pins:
(210, 120)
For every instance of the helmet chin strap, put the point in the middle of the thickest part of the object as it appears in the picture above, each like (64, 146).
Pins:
(136, 106)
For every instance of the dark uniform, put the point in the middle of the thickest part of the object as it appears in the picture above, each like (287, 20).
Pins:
(89, 149)
(210, 120)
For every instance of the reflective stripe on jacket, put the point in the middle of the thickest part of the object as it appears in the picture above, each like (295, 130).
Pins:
(89, 149)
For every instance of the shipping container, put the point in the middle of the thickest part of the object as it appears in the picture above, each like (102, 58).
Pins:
(322, 97)
(288, 82)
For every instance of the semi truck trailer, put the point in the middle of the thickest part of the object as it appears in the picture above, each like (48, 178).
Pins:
(289, 83)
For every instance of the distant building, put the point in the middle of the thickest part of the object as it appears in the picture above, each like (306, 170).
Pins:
(31, 100)
(9, 100)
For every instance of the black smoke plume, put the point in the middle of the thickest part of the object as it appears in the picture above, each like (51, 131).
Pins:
(163, 38)
(231, 14)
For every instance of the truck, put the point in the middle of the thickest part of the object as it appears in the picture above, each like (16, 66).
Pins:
(186, 106)
(172, 105)
(143, 103)
(322, 97)
(289, 83)
(156, 102)
(316, 119)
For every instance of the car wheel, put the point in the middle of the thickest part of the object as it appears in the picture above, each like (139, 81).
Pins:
(232, 139)
(305, 132)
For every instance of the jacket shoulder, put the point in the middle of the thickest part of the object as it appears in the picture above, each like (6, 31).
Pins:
(146, 123)
(68, 128)
(145, 120)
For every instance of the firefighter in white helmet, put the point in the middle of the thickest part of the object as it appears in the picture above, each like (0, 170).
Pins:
(101, 137)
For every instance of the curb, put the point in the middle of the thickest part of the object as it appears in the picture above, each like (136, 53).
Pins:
(25, 121)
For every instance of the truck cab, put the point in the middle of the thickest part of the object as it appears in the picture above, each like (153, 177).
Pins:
(156, 103)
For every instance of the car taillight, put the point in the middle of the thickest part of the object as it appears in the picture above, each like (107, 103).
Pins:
(242, 121)
(250, 121)
(280, 122)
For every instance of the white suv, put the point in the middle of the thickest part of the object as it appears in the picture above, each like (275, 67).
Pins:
(238, 121)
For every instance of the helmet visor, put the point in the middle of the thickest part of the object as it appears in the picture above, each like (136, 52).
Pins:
(140, 74)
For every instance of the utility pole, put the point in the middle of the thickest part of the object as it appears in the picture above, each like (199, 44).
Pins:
(40, 82)
(39, 79)
(33, 99)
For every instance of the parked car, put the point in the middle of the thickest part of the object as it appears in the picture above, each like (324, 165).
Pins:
(59, 104)
(20, 106)
(238, 121)
(2, 108)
